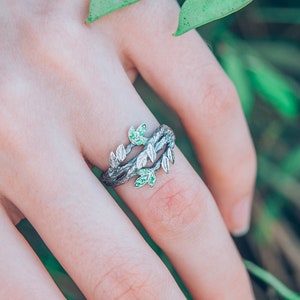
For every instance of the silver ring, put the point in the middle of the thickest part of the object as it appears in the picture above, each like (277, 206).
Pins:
(157, 152)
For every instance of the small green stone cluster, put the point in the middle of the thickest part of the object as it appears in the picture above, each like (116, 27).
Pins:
(136, 137)
(146, 176)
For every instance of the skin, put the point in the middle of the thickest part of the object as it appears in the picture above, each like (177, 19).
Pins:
(67, 100)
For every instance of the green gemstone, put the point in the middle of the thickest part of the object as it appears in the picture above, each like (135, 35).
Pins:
(144, 172)
(141, 181)
(141, 129)
(140, 141)
(152, 179)
(131, 134)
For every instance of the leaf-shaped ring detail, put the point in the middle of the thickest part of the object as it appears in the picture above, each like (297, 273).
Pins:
(157, 152)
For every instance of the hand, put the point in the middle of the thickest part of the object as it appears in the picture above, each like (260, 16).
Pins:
(67, 100)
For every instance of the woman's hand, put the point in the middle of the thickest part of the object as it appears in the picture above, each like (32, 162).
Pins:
(66, 101)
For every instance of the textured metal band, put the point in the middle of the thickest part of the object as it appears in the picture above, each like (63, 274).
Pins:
(162, 141)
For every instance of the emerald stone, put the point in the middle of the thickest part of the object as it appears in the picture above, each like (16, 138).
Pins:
(141, 181)
(152, 179)
(141, 129)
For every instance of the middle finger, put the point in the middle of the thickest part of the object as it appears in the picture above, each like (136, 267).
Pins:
(179, 212)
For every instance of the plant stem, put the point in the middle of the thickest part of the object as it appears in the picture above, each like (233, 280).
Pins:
(272, 281)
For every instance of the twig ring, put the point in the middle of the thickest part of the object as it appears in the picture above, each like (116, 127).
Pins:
(157, 151)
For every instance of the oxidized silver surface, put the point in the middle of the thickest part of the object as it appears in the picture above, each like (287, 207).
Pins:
(157, 152)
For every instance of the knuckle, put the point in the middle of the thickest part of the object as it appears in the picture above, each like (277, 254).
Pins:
(219, 97)
(176, 207)
(125, 280)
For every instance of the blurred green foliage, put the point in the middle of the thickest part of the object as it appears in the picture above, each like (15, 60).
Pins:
(259, 49)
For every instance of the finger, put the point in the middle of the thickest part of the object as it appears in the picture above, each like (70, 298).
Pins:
(179, 212)
(22, 275)
(86, 230)
(184, 73)
(51, 184)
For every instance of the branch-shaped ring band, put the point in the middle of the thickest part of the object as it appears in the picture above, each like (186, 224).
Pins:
(161, 142)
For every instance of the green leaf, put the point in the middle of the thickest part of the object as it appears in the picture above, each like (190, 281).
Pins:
(141, 130)
(136, 136)
(290, 164)
(140, 141)
(195, 13)
(235, 68)
(100, 8)
(144, 172)
(131, 134)
(152, 179)
(272, 281)
(141, 181)
(274, 87)
(282, 54)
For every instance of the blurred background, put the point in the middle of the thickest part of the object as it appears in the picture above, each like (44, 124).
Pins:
(259, 48)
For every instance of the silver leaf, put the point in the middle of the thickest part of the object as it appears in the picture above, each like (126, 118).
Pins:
(165, 164)
(113, 160)
(121, 153)
(141, 160)
(170, 155)
(151, 152)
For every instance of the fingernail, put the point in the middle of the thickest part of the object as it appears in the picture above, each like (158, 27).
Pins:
(240, 233)
(241, 217)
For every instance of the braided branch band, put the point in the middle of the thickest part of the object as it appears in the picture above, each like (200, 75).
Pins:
(162, 139)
